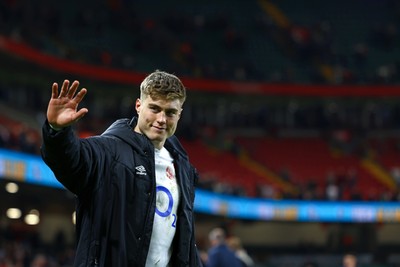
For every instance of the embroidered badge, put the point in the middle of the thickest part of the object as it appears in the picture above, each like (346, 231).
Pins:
(140, 170)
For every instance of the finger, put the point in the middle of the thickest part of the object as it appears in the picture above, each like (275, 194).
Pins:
(64, 89)
(80, 95)
(54, 90)
(82, 112)
(72, 89)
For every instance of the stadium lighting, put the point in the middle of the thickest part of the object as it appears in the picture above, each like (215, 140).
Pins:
(74, 217)
(13, 213)
(32, 218)
(12, 188)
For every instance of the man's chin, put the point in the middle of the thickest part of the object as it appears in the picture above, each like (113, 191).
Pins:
(157, 137)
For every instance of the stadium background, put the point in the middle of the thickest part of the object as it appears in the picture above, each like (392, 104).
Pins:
(288, 101)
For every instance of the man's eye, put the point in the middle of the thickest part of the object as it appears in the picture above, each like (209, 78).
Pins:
(171, 113)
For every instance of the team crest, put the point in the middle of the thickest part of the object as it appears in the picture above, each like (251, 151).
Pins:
(170, 174)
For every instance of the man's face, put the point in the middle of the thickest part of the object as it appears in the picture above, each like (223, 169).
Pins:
(349, 261)
(157, 119)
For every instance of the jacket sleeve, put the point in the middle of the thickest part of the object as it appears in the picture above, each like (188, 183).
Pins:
(70, 158)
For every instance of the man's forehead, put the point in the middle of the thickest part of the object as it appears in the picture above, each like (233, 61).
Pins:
(163, 103)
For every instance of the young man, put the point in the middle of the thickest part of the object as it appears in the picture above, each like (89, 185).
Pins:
(134, 183)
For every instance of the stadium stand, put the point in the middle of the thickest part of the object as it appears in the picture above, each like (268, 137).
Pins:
(303, 43)
(311, 162)
(227, 172)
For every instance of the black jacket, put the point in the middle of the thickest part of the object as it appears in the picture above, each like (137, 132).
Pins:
(113, 177)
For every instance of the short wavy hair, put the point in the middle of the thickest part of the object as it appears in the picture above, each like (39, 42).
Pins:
(161, 84)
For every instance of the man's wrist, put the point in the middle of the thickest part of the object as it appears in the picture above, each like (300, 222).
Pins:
(55, 128)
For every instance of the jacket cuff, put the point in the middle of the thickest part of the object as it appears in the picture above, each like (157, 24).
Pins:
(55, 128)
(52, 130)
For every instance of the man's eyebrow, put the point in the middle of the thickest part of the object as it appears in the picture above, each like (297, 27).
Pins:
(167, 109)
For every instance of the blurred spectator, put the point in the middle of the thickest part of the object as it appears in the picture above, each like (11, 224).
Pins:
(220, 255)
(309, 264)
(235, 244)
(395, 172)
(40, 260)
(349, 260)
(332, 190)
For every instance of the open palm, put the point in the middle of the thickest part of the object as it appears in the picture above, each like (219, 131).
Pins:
(63, 110)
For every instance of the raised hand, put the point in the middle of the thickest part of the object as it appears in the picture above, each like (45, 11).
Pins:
(62, 110)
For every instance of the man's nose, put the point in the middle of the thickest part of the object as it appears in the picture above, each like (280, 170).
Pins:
(161, 118)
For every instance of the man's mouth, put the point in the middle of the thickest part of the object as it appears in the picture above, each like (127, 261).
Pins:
(159, 128)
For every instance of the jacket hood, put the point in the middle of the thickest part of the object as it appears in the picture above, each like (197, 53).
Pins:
(123, 129)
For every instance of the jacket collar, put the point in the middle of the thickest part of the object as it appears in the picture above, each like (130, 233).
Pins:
(124, 129)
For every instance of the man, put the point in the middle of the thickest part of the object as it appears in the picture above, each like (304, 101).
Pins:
(349, 260)
(235, 244)
(220, 255)
(134, 183)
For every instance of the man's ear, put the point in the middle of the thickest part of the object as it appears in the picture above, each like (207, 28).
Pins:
(138, 105)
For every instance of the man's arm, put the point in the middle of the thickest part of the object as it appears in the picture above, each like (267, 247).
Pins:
(61, 149)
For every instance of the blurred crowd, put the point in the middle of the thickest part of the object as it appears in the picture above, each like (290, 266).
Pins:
(218, 40)
(331, 120)
(21, 249)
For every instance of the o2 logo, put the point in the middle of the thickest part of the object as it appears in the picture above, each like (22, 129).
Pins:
(164, 190)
